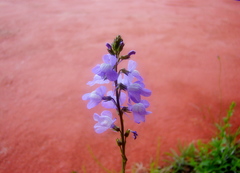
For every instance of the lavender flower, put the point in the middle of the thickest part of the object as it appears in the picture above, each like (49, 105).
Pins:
(139, 111)
(136, 89)
(106, 69)
(104, 122)
(132, 72)
(95, 97)
(135, 134)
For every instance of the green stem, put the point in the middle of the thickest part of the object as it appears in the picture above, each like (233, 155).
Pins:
(120, 113)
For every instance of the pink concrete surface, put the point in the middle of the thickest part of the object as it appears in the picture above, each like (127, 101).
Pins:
(47, 51)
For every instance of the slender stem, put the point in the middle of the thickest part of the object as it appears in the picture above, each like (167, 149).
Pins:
(120, 113)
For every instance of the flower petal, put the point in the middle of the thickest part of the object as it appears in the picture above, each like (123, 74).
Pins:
(92, 103)
(146, 92)
(95, 116)
(135, 97)
(123, 98)
(100, 129)
(85, 96)
(101, 90)
(145, 103)
(140, 84)
(138, 118)
(96, 69)
(97, 80)
(108, 105)
(137, 75)
(109, 59)
(131, 65)
(107, 113)
(111, 75)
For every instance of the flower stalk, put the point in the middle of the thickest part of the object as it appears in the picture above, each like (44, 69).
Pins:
(128, 89)
(122, 134)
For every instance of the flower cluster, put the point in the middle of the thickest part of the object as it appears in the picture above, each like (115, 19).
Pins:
(126, 95)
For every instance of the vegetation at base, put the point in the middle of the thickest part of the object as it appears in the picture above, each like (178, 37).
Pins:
(220, 155)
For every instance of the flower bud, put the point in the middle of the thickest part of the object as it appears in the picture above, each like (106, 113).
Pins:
(119, 143)
(127, 133)
(132, 52)
(115, 128)
(117, 44)
(120, 47)
(125, 109)
(109, 48)
(135, 134)
(126, 72)
(107, 98)
(122, 87)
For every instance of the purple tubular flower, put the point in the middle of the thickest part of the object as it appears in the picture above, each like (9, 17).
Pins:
(106, 69)
(97, 80)
(104, 122)
(136, 89)
(133, 73)
(135, 134)
(95, 97)
(111, 104)
(139, 111)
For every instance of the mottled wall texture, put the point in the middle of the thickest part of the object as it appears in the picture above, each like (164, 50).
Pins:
(47, 51)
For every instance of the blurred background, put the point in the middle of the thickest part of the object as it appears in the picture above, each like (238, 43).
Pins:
(187, 52)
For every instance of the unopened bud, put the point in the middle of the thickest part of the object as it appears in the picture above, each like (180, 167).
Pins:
(120, 47)
(132, 52)
(126, 72)
(109, 48)
(122, 87)
(127, 133)
(135, 134)
(115, 128)
(117, 44)
(119, 143)
(107, 98)
(125, 109)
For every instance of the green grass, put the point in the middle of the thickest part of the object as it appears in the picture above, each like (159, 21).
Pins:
(220, 155)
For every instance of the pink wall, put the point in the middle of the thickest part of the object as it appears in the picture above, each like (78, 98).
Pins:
(47, 50)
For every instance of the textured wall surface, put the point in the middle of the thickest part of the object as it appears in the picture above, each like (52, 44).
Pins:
(47, 51)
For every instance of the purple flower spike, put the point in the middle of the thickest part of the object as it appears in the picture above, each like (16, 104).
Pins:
(95, 97)
(106, 69)
(104, 122)
(139, 111)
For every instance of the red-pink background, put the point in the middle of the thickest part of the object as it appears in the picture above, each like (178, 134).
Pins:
(47, 51)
